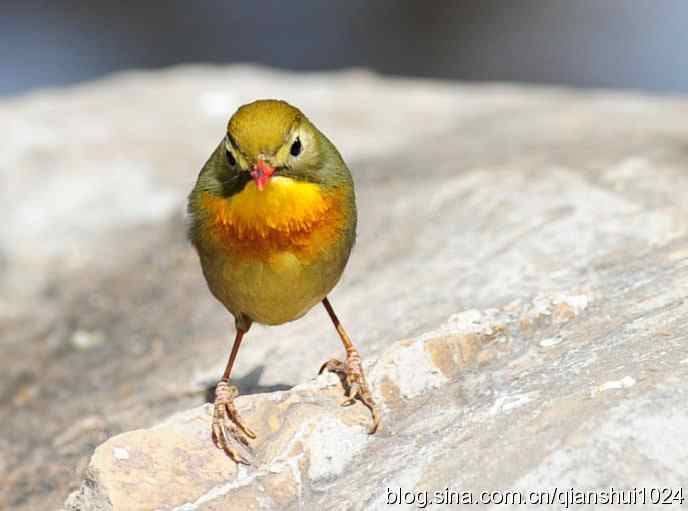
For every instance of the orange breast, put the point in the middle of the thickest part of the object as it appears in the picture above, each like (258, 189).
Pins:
(286, 216)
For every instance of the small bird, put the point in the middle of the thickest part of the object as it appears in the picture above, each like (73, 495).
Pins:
(273, 219)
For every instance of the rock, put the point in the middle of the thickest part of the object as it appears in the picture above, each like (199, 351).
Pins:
(537, 413)
(86, 340)
(519, 250)
(306, 443)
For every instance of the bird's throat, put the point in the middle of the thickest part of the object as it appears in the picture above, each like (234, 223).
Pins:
(285, 215)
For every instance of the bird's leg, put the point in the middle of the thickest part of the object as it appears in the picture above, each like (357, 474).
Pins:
(227, 423)
(351, 372)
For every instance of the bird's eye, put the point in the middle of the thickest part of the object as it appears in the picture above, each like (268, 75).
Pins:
(295, 148)
(230, 158)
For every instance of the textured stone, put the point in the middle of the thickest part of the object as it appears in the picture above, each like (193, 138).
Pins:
(520, 249)
(305, 444)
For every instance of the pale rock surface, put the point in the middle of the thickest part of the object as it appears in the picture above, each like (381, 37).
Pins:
(517, 290)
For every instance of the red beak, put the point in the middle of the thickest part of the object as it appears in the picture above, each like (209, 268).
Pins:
(261, 174)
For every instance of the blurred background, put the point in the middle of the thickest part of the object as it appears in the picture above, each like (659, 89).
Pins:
(616, 43)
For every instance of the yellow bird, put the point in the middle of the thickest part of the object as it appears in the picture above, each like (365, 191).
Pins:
(273, 219)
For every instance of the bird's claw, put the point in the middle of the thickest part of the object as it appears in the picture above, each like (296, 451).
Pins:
(355, 385)
(228, 424)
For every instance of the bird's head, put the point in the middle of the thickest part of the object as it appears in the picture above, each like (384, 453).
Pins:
(269, 138)
(273, 170)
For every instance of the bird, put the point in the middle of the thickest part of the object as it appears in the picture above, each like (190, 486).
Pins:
(273, 220)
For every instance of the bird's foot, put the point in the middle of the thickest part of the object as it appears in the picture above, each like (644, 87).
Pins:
(228, 424)
(355, 384)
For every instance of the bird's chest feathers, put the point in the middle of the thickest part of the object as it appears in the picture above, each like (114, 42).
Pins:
(288, 216)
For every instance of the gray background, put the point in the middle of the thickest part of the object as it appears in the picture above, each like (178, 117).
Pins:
(630, 44)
